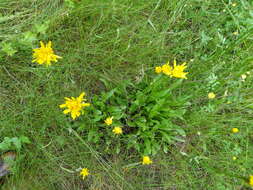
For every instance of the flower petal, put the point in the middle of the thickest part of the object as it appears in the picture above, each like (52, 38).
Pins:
(66, 111)
(63, 105)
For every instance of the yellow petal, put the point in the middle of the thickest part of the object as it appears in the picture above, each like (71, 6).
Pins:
(63, 105)
(73, 115)
(66, 111)
(58, 57)
(175, 63)
(40, 61)
(158, 69)
(49, 44)
(42, 44)
(85, 104)
(81, 96)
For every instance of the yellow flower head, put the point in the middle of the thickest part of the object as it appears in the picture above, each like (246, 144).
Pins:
(44, 54)
(117, 130)
(234, 4)
(167, 69)
(235, 130)
(74, 106)
(234, 158)
(108, 120)
(158, 69)
(178, 70)
(146, 160)
(251, 180)
(211, 95)
(175, 71)
(84, 173)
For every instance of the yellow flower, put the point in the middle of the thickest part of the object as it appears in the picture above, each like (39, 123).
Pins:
(234, 4)
(74, 106)
(158, 69)
(44, 54)
(167, 69)
(108, 120)
(84, 173)
(234, 158)
(117, 130)
(235, 130)
(251, 180)
(211, 95)
(175, 71)
(178, 70)
(146, 160)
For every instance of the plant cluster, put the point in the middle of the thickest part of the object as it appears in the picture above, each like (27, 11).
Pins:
(147, 116)
(150, 115)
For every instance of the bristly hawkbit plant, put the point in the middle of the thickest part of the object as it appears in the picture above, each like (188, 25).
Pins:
(14, 143)
(150, 115)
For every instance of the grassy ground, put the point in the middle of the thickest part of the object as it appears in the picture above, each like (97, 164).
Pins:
(118, 40)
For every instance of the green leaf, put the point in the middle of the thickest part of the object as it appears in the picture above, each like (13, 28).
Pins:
(205, 38)
(147, 149)
(175, 113)
(166, 137)
(25, 139)
(137, 147)
(140, 98)
(154, 111)
(134, 106)
(29, 37)
(6, 144)
(69, 4)
(93, 136)
(160, 94)
(131, 141)
(17, 143)
(178, 139)
(180, 132)
(42, 28)
(97, 115)
(8, 49)
(130, 123)
(106, 95)
(165, 148)
(114, 109)
(166, 125)
(118, 148)
(155, 147)
(141, 122)
(60, 140)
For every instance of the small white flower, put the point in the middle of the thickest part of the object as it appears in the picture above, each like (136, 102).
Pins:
(243, 76)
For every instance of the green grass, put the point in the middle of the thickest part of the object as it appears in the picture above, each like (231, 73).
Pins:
(118, 40)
